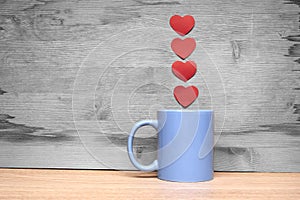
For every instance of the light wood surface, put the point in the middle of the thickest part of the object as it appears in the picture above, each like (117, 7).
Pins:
(78, 184)
(76, 75)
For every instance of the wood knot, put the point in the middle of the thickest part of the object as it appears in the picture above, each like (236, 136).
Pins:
(238, 151)
(236, 51)
(2, 92)
(155, 3)
(139, 151)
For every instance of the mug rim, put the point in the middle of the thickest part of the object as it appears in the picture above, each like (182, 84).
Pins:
(173, 110)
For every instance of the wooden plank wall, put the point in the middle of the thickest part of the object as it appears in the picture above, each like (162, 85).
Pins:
(76, 75)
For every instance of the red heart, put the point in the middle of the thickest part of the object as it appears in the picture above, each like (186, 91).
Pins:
(182, 25)
(185, 96)
(184, 71)
(183, 48)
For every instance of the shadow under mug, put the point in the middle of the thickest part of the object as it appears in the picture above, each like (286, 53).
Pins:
(185, 145)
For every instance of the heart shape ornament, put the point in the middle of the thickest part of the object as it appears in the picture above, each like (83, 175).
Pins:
(184, 71)
(182, 25)
(183, 48)
(185, 96)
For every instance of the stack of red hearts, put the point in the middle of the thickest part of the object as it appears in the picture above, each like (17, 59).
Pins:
(183, 48)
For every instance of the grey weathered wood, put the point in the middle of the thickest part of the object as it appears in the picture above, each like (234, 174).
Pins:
(76, 75)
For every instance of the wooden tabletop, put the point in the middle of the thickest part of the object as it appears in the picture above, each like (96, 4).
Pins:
(88, 184)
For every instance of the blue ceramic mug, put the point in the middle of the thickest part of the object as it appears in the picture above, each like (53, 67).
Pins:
(185, 145)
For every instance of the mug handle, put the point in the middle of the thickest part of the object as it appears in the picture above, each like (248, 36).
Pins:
(154, 165)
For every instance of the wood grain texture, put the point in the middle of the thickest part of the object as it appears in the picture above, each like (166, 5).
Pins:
(76, 184)
(76, 75)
